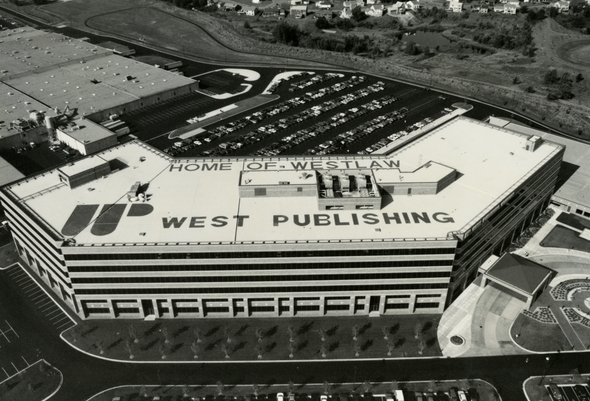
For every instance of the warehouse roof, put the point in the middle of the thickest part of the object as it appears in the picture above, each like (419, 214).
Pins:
(198, 200)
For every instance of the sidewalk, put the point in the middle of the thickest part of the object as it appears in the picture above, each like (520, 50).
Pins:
(482, 318)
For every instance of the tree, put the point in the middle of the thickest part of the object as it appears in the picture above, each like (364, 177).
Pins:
(291, 331)
(198, 335)
(326, 386)
(553, 12)
(323, 350)
(579, 77)
(390, 347)
(385, 331)
(166, 335)
(196, 348)
(421, 347)
(417, 330)
(551, 77)
(133, 333)
(220, 388)
(287, 34)
(322, 333)
(129, 348)
(323, 23)
(163, 350)
(355, 332)
(291, 347)
(259, 334)
(394, 385)
(247, 25)
(358, 14)
(258, 349)
(225, 351)
(255, 389)
(227, 333)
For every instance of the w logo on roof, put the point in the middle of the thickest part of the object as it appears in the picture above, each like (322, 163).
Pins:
(107, 221)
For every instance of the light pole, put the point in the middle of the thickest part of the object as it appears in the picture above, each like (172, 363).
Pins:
(547, 366)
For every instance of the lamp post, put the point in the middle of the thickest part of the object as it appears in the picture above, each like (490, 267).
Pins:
(547, 366)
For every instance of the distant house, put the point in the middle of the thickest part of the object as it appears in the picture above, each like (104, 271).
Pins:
(296, 2)
(561, 5)
(250, 11)
(371, 2)
(456, 6)
(353, 3)
(499, 8)
(483, 9)
(255, 1)
(397, 8)
(376, 10)
(269, 12)
(346, 13)
(323, 5)
(298, 11)
(510, 8)
(413, 5)
(229, 6)
(328, 14)
(475, 9)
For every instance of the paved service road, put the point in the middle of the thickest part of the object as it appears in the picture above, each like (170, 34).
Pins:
(28, 336)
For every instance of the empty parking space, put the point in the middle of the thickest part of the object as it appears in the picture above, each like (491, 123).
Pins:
(41, 300)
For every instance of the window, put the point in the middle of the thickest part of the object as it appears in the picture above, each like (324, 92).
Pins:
(259, 191)
(299, 189)
(427, 305)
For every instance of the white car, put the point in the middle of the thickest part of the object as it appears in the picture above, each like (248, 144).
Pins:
(280, 397)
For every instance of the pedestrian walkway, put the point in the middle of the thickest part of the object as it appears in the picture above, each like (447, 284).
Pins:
(482, 318)
(42, 300)
(567, 328)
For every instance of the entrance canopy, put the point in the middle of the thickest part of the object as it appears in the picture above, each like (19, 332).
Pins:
(519, 274)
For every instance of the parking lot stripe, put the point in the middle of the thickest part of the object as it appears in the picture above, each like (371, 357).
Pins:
(12, 328)
(4, 334)
(51, 313)
(43, 299)
(14, 272)
(5, 372)
(64, 324)
(20, 279)
(27, 286)
(45, 309)
(45, 291)
(59, 320)
(15, 368)
(25, 361)
(32, 290)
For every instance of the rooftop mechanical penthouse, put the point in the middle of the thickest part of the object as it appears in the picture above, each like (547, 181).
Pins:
(131, 233)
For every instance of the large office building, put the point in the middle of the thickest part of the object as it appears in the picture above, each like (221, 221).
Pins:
(132, 233)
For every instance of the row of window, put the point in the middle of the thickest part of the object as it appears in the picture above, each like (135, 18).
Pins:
(279, 278)
(264, 254)
(242, 290)
(274, 266)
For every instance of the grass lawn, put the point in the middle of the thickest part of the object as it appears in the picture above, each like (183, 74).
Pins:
(252, 339)
(561, 237)
(484, 389)
(536, 336)
(152, 26)
(37, 382)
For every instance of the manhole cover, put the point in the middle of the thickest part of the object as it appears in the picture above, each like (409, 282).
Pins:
(457, 340)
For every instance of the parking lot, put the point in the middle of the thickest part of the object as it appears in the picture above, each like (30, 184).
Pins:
(337, 113)
(40, 298)
(569, 392)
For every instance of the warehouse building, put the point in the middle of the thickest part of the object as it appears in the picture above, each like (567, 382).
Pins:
(133, 233)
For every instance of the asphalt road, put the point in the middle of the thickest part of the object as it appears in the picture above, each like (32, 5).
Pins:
(85, 376)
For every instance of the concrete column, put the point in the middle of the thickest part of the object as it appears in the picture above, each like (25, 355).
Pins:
(292, 306)
(112, 308)
(382, 304)
(201, 308)
(322, 311)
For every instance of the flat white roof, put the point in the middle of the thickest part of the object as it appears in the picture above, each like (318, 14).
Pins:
(86, 131)
(197, 200)
(577, 188)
